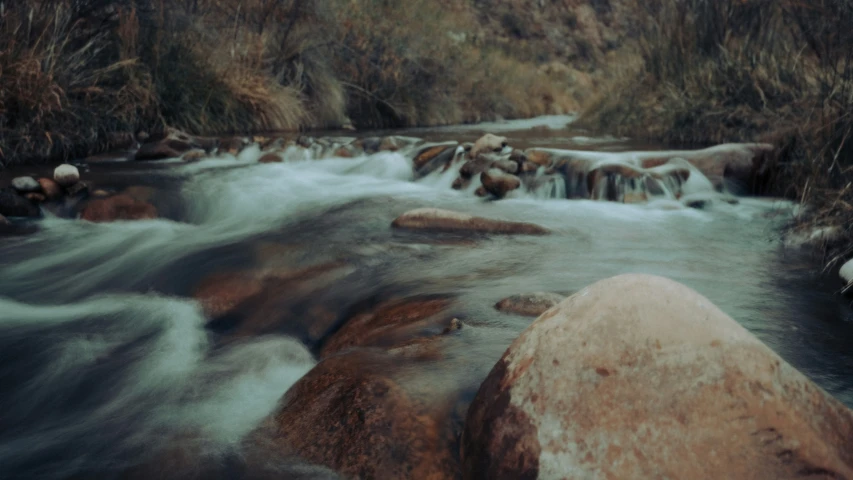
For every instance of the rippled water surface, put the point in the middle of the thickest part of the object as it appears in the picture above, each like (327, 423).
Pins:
(105, 358)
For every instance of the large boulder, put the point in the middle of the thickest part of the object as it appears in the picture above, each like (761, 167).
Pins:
(498, 183)
(488, 143)
(434, 219)
(118, 207)
(350, 415)
(640, 377)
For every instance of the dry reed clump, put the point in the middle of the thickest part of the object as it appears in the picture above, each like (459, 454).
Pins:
(81, 76)
(733, 70)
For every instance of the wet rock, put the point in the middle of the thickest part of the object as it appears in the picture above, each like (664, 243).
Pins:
(26, 184)
(101, 193)
(344, 151)
(233, 145)
(35, 197)
(640, 377)
(740, 164)
(846, 272)
(77, 189)
(283, 300)
(12, 204)
(389, 144)
(66, 175)
(474, 167)
(4, 221)
(50, 188)
(436, 157)
(163, 149)
(220, 293)
(434, 219)
(460, 183)
(529, 304)
(387, 324)
(194, 155)
(539, 158)
(270, 158)
(118, 207)
(481, 192)
(507, 166)
(348, 414)
(499, 183)
(488, 143)
(369, 144)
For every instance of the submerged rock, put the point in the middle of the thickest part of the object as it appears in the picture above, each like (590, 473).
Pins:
(26, 184)
(499, 183)
(270, 158)
(434, 219)
(529, 304)
(388, 324)
(66, 175)
(118, 207)
(488, 143)
(640, 377)
(12, 204)
(348, 414)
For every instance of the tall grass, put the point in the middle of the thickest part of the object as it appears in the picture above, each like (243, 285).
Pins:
(79, 76)
(741, 70)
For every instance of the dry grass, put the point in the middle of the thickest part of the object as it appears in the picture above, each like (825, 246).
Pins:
(79, 76)
(733, 70)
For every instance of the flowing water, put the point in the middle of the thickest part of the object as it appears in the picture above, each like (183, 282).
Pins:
(105, 358)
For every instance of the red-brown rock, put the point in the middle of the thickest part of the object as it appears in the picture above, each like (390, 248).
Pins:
(434, 219)
(50, 188)
(348, 414)
(118, 207)
(640, 377)
(388, 323)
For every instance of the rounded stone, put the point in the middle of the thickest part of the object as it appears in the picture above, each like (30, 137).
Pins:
(26, 184)
(66, 175)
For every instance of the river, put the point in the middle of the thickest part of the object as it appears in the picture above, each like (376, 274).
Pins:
(105, 358)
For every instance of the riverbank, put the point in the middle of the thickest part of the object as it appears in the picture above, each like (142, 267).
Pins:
(757, 70)
(83, 77)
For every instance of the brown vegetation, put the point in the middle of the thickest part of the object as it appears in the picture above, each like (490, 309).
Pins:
(78, 76)
(742, 70)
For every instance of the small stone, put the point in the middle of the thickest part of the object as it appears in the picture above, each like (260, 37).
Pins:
(26, 184)
(846, 272)
(488, 143)
(455, 325)
(35, 197)
(51, 189)
(507, 166)
(66, 175)
(389, 144)
(481, 192)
